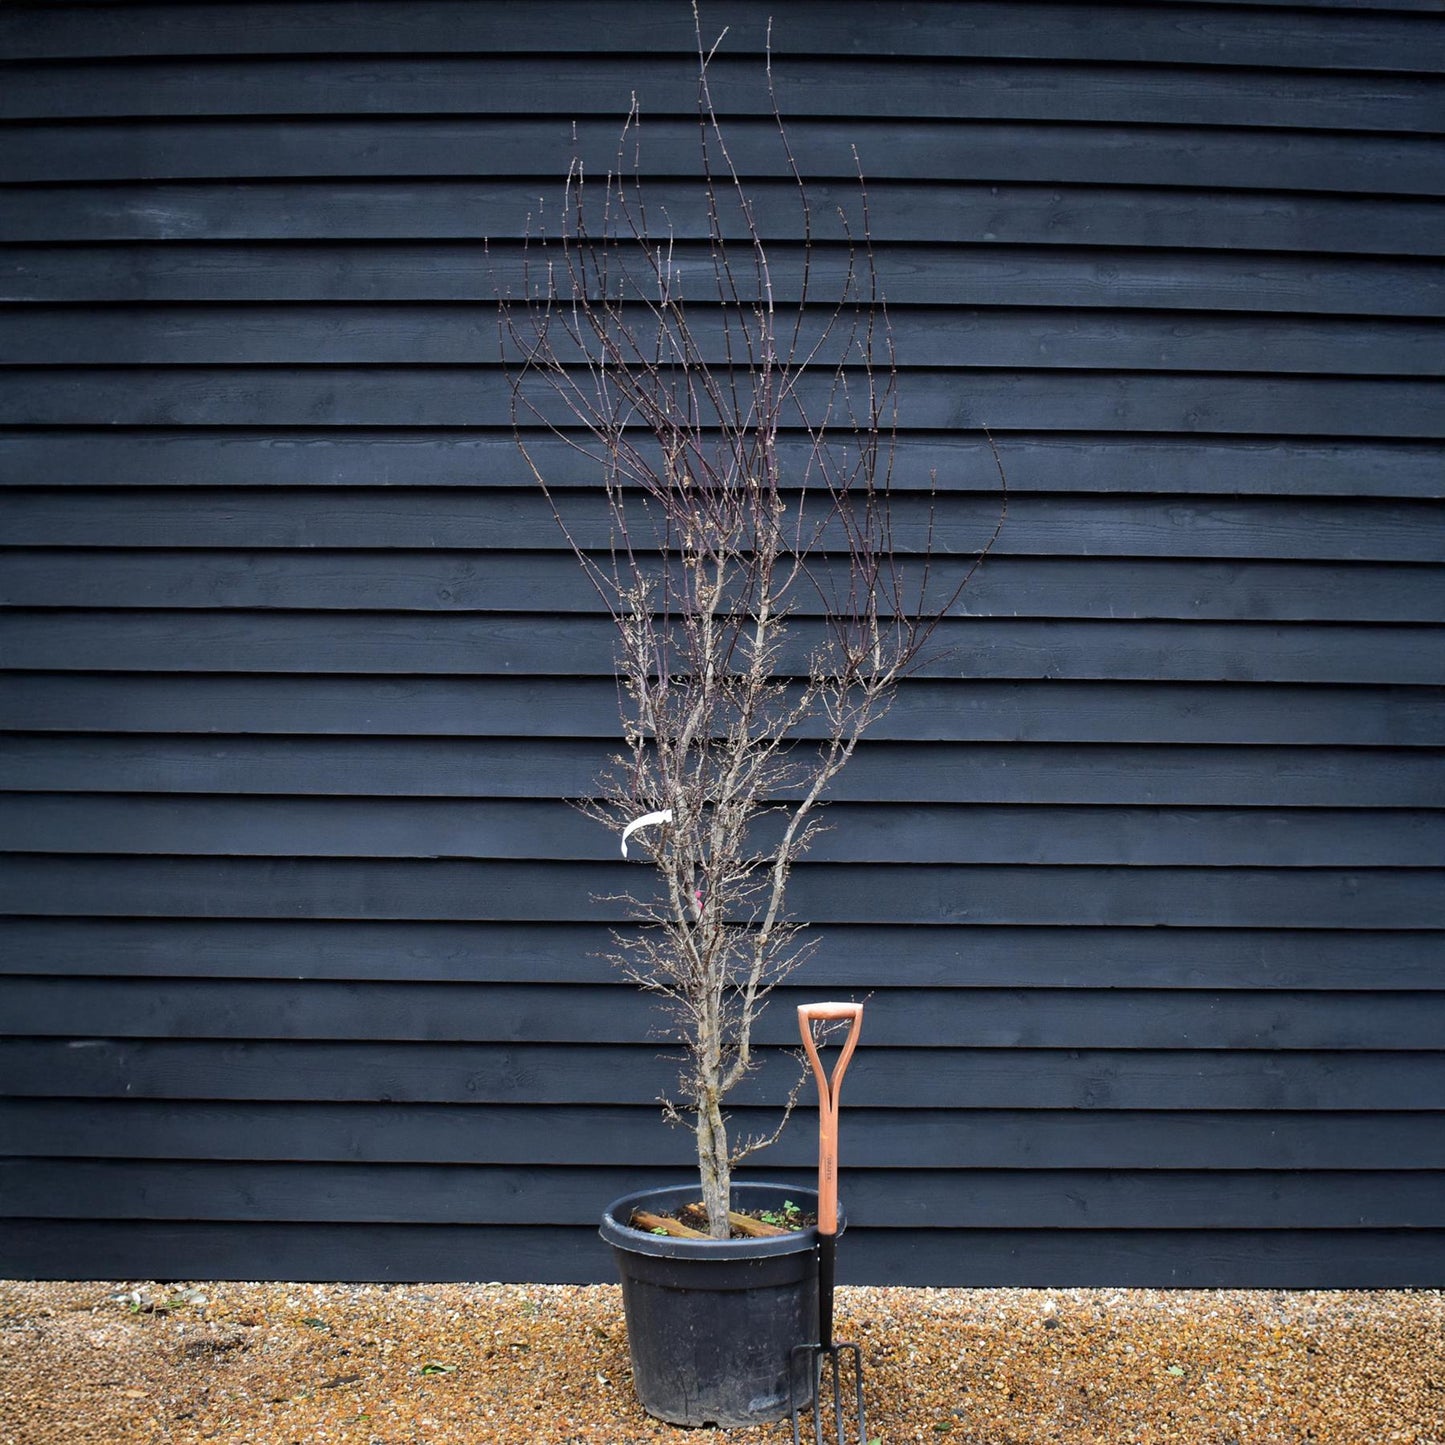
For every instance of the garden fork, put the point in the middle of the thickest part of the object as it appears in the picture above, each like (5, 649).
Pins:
(813, 1357)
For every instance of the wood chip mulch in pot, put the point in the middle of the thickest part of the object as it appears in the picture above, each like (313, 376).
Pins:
(269, 1364)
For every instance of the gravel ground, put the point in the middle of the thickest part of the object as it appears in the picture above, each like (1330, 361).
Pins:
(269, 1364)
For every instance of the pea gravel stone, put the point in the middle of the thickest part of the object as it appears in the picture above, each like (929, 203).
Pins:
(268, 1364)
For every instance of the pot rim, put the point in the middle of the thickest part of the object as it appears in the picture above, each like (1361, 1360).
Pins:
(621, 1235)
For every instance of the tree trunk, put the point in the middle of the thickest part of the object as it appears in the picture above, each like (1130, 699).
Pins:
(714, 1166)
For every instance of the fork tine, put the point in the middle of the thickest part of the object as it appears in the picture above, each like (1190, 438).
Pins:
(810, 1359)
(829, 1359)
(836, 1358)
(858, 1390)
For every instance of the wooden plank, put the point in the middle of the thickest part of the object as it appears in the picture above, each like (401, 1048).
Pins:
(509, 643)
(888, 833)
(1078, 1018)
(656, 1224)
(446, 890)
(601, 84)
(1094, 1198)
(1204, 1259)
(1200, 1259)
(1042, 152)
(413, 518)
(97, 460)
(971, 955)
(972, 275)
(453, 335)
(498, 581)
(361, 396)
(880, 771)
(341, 1071)
(450, 1195)
(1395, 6)
(1004, 213)
(975, 710)
(878, 1138)
(1200, 34)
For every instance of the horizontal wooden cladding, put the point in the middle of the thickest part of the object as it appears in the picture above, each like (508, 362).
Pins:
(896, 833)
(464, 335)
(856, 957)
(1233, 207)
(456, 582)
(1200, 34)
(486, 520)
(1011, 214)
(508, 643)
(603, 84)
(971, 275)
(532, 767)
(591, 1073)
(365, 396)
(97, 460)
(1052, 1259)
(971, 710)
(898, 1017)
(986, 1199)
(949, 1139)
(450, 890)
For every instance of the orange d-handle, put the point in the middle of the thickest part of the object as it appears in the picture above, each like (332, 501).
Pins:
(808, 1015)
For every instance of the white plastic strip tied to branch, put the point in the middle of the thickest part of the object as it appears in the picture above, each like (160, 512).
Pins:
(645, 821)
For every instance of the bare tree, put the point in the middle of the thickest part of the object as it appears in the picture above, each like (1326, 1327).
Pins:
(764, 615)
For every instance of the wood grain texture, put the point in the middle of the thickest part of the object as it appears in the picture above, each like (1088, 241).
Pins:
(972, 274)
(888, 772)
(602, 85)
(1021, 213)
(898, 1016)
(934, 337)
(506, 644)
(360, 1071)
(890, 833)
(471, 1195)
(951, 955)
(605, 1135)
(1198, 34)
(963, 150)
(259, 458)
(446, 581)
(1201, 1259)
(450, 890)
(355, 396)
(971, 710)
(481, 519)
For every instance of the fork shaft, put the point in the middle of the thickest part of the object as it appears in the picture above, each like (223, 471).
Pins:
(827, 1263)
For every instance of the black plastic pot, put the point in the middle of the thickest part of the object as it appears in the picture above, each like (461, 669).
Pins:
(711, 1323)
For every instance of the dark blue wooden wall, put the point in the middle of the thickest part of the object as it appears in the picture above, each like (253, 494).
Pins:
(1141, 882)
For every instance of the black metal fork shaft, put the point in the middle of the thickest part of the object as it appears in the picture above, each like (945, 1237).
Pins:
(814, 1356)
(827, 1268)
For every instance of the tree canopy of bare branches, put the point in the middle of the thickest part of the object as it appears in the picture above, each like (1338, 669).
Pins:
(764, 616)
